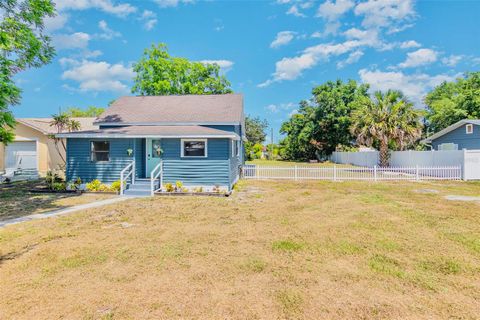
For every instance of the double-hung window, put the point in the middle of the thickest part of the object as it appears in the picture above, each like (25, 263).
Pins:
(100, 151)
(195, 148)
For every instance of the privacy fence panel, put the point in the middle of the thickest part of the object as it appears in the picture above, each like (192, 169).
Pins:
(335, 173)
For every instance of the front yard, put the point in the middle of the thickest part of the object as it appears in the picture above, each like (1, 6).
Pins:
(315, 250)
(16, 199)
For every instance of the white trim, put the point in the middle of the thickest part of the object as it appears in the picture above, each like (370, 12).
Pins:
(469, 128)
(106, 135)
(182, 141)
(121, 124)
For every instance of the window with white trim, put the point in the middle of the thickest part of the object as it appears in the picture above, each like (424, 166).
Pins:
(469, 128)
(196, 148)
(100, 151)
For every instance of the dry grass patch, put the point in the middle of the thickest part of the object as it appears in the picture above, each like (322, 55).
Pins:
(278, 250)
(17, 201)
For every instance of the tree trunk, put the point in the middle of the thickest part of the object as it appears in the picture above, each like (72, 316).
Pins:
(384, 154)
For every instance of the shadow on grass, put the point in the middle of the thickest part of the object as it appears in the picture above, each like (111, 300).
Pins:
(17, 201)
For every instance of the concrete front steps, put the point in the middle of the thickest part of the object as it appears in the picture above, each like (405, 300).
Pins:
(141, 188)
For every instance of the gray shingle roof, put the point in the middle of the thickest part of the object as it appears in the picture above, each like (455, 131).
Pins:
(187, 109)
(153, 131)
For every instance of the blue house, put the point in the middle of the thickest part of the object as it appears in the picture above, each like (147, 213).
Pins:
(465, 134)
(195, 139)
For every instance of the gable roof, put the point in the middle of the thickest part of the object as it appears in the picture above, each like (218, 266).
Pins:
(43, 124)
(182, 109)
(451, 128)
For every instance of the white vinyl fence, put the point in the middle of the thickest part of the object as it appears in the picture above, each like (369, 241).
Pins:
(336, 173)
(468, 160)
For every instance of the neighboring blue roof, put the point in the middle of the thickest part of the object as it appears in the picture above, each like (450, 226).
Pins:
(451, 128)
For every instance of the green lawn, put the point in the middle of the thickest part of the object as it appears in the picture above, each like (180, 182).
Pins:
(272, 250)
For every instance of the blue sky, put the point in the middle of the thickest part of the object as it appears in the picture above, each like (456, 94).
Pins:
(273, 52)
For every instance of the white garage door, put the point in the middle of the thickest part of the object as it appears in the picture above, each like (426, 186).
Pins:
(21, 155)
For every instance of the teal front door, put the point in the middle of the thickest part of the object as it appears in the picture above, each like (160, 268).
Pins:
(153, 154)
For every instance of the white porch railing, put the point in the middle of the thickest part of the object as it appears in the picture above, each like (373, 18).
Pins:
(154, 175)
(336, 173)
(128, 171)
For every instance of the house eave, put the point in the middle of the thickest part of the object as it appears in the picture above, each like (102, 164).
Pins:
(122, 124)
(152, 136)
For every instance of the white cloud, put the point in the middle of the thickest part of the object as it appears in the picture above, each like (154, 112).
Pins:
(332, 10)
(390, 14)
(418, 58)
(226, 65)
(452, 60)
(283, 38)
(171, 3)
(292, 68)
(120, 10)
(316, 34)
(275, 108)
(107, 33)
(55, 23)
(294, 11)
(410, 44)
(352, 58)
(149, 19)
(414, 86)
(77, 40)
(98, 76)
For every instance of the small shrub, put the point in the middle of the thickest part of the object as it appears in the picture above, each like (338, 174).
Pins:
(183, 189)
(178, 185)
(198, 189)
(116, 186)
(169, 187)
(59, 186)
(104, 188)
(94, 185)
(75, 184)
(51, 178)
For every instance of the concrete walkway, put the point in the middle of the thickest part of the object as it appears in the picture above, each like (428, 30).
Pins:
(61, 212)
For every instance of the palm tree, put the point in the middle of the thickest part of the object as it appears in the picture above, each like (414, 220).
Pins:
(62, 123)
(388, 119)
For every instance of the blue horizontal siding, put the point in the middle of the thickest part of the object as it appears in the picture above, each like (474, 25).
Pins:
(219, 168)
(460, 137)
(79, 164)
(196, 172)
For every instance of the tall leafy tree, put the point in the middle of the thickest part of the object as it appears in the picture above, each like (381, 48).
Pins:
(299, 130)
(91, 111)
(23, 45)
(453, 101)
(158, 73)
(255, 129)
(334, 103)
(387, 120)
(255, 133)
(322, 122)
